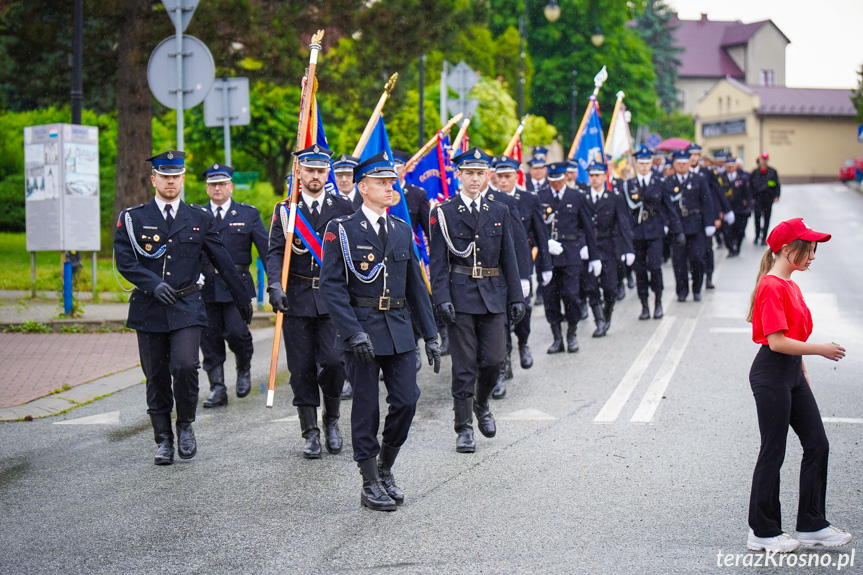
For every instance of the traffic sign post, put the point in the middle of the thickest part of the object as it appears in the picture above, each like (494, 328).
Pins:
(227, 105)
(462, 79)
(181, 13)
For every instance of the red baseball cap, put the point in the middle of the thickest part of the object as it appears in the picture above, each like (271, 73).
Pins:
(765, 155)
(790, 230)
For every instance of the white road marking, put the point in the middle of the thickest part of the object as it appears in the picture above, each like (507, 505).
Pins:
(620, 395)
(526, 415)
(112, 417)
(286, 419)
(647, 408)
(841, 420)
(730, 330)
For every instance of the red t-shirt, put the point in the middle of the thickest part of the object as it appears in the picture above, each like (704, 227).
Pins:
(779, 306)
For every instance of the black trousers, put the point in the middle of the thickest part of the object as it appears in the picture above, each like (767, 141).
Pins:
(783, 398)
(563, 287)
(607, 281)
(648, 267)
(313, 359)
(476, 342)
(167, 356)
(522, 328)
(708, 254)
(400, 379)
(225, 324)
(736, 231)
(763, 207)
(686, 258)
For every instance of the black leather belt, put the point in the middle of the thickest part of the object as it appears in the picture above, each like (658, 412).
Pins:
(566, 237)
(194, 288)
(686, 213)
(211, 268)
(381, 303)
(476, 272)
(603, 235)
(303, 280)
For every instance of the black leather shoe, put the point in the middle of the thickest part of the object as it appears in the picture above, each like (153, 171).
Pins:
(347, 390)
(630, 283)
(571, 340)
(187, 446)
(657, 309)
(311, 431)
(601, 323)
(332, 434)
(386, 459)
(244, 376)
(484, 419)
(557, 344)
(696, 297)
(645, 310)
(218, 392)
(525, 357)
(709, 283)
(373, 494)
(499, 391)
(583, 308)
(621, 292)
(463, 409)
(164, 436)
(681, 298)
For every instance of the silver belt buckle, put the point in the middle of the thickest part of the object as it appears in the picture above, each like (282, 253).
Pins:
(554, 234)
(315, 282)
(684, 212)
(384, 303)
(476, 273)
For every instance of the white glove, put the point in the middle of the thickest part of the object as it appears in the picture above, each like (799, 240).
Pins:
(665, 228)
(709, 231)
(729, 218)
(546, 278)
(583, 253)
(200, 281)
(555, 248)
(525, 288)
(595, 266)
(628, 258)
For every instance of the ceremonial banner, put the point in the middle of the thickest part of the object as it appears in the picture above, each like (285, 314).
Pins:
(316, 135)
(589, 140)
(618, 145)
(380, 142)
(516, 155)
(434, 172)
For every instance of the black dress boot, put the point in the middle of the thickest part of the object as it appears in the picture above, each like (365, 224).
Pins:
(347, 390)
(482, 410)
(386, 459)
(507, 366)
(244, 376)
(419, 359)
(332, 435)
(463, 409)
(601, 321)
(444, 340)
(164, 438)
(373, 495)
(621, 291)
(525, 356)
(645, 309)
(608, 310)
(500, 386)
(584, 309)
(557, 344)
(657, 308)
(571, 340)
(709, 282)
(218, 392)
(312, 434)
(187, 447)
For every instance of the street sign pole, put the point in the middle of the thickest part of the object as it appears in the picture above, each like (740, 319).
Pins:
(226, 118)
(178, 32)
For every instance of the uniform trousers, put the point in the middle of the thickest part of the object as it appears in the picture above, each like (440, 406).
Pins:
(476, 342)
(522, 328)
(563, 287)
(607, 280)
(166, 356)
(783, 398)
(648, 266)
(313, 360)
(736, 232)
(400, 379)
(689, 258)
(708, 253)
(763, 207)
(225, 324)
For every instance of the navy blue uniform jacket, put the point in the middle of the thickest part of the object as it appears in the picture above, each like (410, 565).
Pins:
(740, 193)
(611, 225)
(652, 206)
(192, 235)
(519, 235)
(390, 331)
(693, 195)
(572, 225)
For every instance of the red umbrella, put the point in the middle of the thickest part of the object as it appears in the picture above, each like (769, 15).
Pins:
(673, 144)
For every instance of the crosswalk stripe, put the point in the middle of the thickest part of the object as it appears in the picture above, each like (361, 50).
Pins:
(841, 420)
(526, 415)
(111, 417)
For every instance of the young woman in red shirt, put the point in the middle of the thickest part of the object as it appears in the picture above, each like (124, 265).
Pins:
(781, 323)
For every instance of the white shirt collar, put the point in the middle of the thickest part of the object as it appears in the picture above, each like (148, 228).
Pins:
(594, 195)
(372, 217)
(352, 194)
(645, 179)
(175, 205)
(226, 207)
(731, 175)
(307, 199)
(467, 201)
(681, 178)
(537, 183)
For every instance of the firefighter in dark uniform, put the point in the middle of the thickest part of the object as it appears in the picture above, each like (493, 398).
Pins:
(343, 170)
(658, 165)
(720, 203)
(739, 194)
(652, 218)
(240, 226)
(572, 241)
(159, 247)
(693, 204)
(764, 182)
(537, 170)
(373, 287)
(308, 330)
(475, 282)
(571, 176)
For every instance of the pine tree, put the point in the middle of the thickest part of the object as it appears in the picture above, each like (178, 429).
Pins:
(656, 28)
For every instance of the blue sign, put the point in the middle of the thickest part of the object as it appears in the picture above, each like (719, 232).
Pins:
(653, 140)
(860, 134)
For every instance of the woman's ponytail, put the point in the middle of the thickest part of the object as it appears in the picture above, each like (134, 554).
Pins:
(766, 265)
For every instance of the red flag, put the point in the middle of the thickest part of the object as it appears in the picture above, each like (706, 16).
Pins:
(465, 142)
(516, 155)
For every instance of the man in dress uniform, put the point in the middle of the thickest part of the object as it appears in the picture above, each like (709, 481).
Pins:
(239, 226)
(658, 166)
(475, 282)
(765, 191)
(537, 170)
(573, 240)
(740, 197)
(537, 237)
(651, 212)
(343, 170)
(370, 279)
(693, 204)
(307, 329)
(714, 183)
(159, 247)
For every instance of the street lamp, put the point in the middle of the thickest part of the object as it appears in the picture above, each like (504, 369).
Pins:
(597, 38)
(552, 13)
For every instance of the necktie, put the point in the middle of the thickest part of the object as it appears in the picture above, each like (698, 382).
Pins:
(382, 230)
(474, 209)
(169, 218)
(641, 184)
(315, 212)
(219, 215)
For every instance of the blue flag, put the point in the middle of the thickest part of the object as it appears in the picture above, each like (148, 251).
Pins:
(428, 174)
(379, 142)
(330, 186)
(590, 145)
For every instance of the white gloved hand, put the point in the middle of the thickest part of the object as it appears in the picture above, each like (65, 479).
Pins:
(525, 288)
(595, 266)
(555, 248)
(729, 218)
(200, 281)
(665, 228)
(628, 258)
(709, 231)
(546, 277)
(583, 253)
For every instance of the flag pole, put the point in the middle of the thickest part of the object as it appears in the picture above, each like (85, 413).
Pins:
(598, 81)
(427, 146)
(293, 192)
(512, 141)
(367, 132)
(459, 137)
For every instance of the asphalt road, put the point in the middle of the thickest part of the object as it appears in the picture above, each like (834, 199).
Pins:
(634, 455)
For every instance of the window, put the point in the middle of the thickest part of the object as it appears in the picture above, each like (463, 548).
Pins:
(765, 77)
(681, 97)
(728, 104)
(720, 105)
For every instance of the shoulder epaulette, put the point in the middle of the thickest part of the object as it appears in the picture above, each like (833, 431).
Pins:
(136, 207)
(448, 200)
(398, 219)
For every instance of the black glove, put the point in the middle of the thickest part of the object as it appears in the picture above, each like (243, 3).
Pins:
(516, 312)
(361, 345)
(246, 310)
(446, 312)
(680, 239)
(165, 294)
(278, 298)
(433, 353)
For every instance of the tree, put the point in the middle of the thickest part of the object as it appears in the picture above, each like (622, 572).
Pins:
(857, 96)
(656, 28)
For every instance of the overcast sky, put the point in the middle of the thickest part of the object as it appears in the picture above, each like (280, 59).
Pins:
(826, 47)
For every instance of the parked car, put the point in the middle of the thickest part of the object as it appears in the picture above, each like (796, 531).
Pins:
(847, 171)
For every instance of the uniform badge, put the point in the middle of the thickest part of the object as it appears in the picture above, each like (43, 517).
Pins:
(215, 166)
(433, 220)
(485, 207)
(156, 238)
(387, 158)
(548, 210)
(297, 241)
(329, 236)
(364, 266)
(364, 224)
(634, 197)
(371, 257)
(148, 247)
(329, 201)
(477, 155)
(676, 189)
(688, 186)
(317, 149)
(233, 212)
(170, 155)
